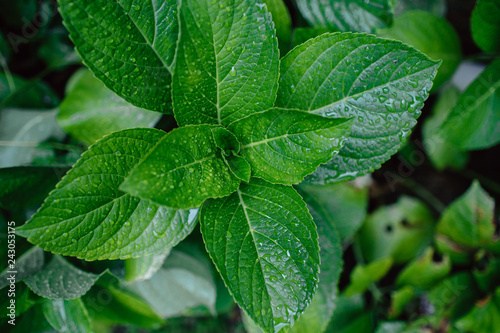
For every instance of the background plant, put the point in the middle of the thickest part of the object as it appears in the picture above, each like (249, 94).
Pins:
(268, 123)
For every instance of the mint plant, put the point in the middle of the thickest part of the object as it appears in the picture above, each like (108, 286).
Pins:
(251, 125)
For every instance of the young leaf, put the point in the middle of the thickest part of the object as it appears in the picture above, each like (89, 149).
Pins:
(485, 25)
(129, 45)
(379, 82)
(238, 167)
(183, 169)
(439, 40)
(342, 15)
(27, 264)
(264, 244)
(90, 110)
(67, 316)
(283, 146)
(227, 61)
(60, 279)
(474, 121)
(87, 216)
(363, 276)
(185, 277)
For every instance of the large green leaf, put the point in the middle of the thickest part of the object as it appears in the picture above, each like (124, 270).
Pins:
(67, 316)
(87, 216)
(227, 61)
(439, 40)
(61, 280)
(283, 146)
(442, 153)
(128, 44)
(379, 82)
(264, 244)
(343, 205)
(184, 281)
(347, 15)
(183, 169)
(90, 110)
(485, 25)
(474, 123)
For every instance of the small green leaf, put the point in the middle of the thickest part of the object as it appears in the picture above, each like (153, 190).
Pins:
(442, 153)
(401, 231)
(182, 170)
(474, 123)
(67, 316)
(26, 265)
(381, 83)
(184, 281)
(485, 25)
(87, 216)
(283, 146)
(128, 45)
(227, 61)
(90, 110)
(424, 272)
(143, 268)
(353, 15)
(21, 131)
(439, 40)
(400, 299)
(484, 317)
(61, 280)
(26, 186)
(468, 221)
(342, 205)
(264, 244)
(239, 167)
(363, 276)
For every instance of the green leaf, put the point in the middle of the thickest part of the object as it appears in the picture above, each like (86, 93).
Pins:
(128, 44)
(468, 221)
(227, 61)
(67, 316)
(25, 300)
(238, 166)
(485, 25)
(342, 205)
(317, 315)
(363, 276)
(18, 92)
(264, 244)
(486, 271)
(399, 300)
(282, 22)
(350, 317)
(184, 281)
(435, 7)
(90, 110)
(182, 170)
(58, 52)
(401, 231)
(87, 216)
(32, 321)
(391, 327)
(424, 272)
(143, 268)
(20, 133)
(484, 317)
(26, 186)
(353, 15)
(26, 265)
(442, 153)
(474, 123)
(381, 83)
(61, 280)
(439, 40)
(283, 146)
